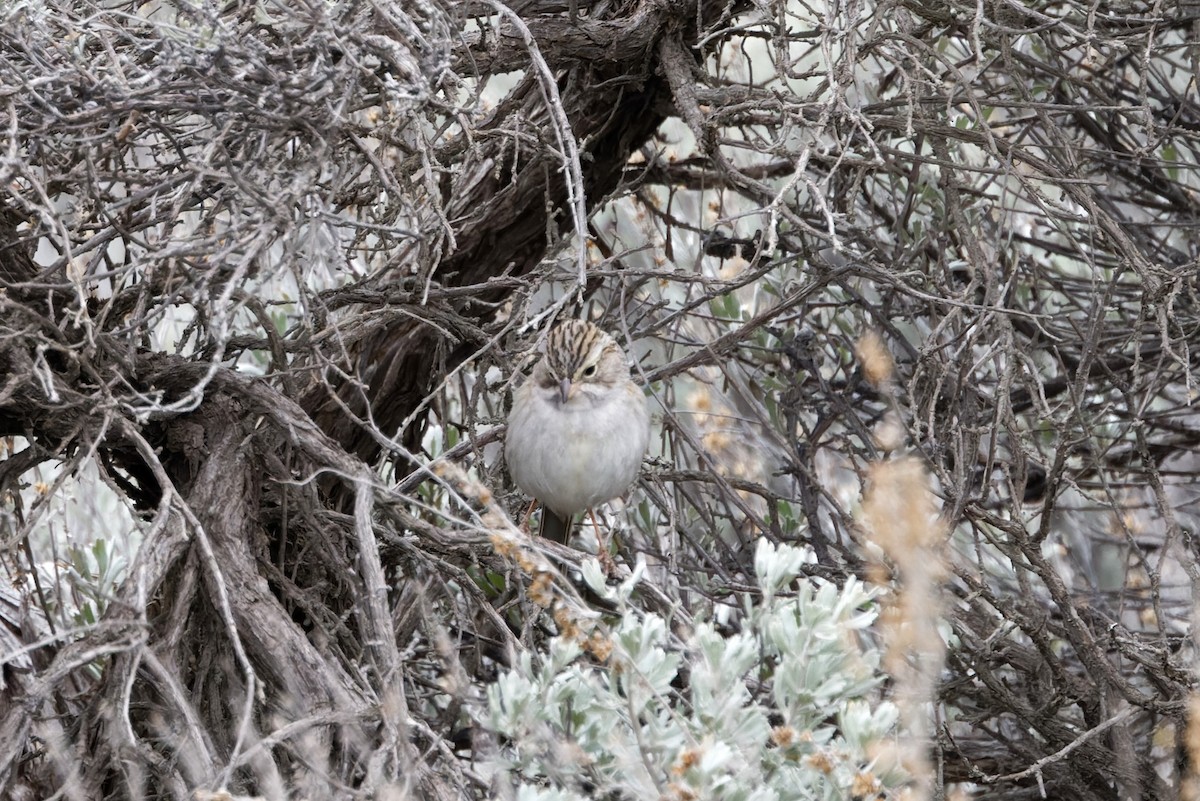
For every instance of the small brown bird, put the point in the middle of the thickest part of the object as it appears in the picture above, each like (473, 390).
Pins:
(578, 428)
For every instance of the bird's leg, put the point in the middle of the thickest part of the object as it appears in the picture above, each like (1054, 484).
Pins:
(528, 514)
(606, 560)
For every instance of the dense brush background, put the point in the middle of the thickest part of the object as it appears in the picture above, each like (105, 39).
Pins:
(912, 287)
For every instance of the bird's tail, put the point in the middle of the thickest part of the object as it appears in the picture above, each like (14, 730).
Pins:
(554, 527)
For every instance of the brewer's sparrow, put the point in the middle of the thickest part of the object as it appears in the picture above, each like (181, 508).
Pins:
(578, 427)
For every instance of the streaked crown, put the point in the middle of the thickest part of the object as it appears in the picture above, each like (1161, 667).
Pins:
(574, 347)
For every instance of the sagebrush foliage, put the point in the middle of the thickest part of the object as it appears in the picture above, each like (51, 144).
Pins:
(779, 700)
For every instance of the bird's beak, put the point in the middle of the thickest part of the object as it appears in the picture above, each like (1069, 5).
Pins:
(564, 389)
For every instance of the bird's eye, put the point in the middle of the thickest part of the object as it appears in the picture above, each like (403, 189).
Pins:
(589, 371)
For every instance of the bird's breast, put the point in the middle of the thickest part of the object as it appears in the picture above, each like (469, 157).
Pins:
(579, 454)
